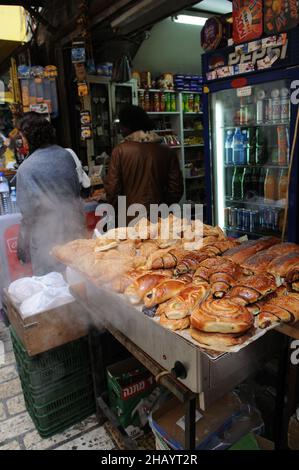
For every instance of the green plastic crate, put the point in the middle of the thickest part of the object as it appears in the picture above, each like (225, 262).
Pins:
(50, 427)
(41, 397)
(47, 368)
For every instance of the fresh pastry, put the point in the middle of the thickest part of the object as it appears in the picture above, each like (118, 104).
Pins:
(175, 325)
(284, 308)
(77, 248)
(221, 316)
(191, 261)
(105, 244)
(240, 253)
(223, 276)
(121, 284)
(165, 259)
(281, 249)
(218, 341)
(258, 263)
(280, 266)
(184, 303)
(163, 291)
(141, 286)
(252, 288)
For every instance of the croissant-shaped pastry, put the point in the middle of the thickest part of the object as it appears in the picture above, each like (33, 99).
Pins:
(162, 292)
(266, 319)
(253, 288)
(221, 316)
(240, 253)
(120, 284)
(222, 246)
(292, 275)
(218, 341)
(166, 260)
(187, 278)
(141, 286)
(174, 325)
(282, 265)
(191, 262)
(281, 249)
(184, 303)
(202, 273)
(148, 247)
(257, 263)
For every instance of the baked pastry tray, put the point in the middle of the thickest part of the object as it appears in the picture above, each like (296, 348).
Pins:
(209, 373)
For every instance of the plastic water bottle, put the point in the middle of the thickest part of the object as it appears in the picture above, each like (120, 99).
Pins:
(238, 147)
(5, 203)
(13, 199)
(229, 148)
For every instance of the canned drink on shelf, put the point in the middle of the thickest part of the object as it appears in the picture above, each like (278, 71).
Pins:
(240, 218)
(227, 216)
(254, 221)
(233, 216)
(275, 219)
(246, 221)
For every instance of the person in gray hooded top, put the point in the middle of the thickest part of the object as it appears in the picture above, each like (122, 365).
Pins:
(48, 196)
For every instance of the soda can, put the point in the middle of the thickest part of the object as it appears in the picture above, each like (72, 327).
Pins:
(240, 218)
(233, 216)
(247, 220)
(227, 216)
(275, 219)
(261, 222)
(254, 221)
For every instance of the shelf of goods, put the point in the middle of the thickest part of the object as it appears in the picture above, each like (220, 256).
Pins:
(207, 288)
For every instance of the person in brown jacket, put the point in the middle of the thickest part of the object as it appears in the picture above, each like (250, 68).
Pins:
(142, 168)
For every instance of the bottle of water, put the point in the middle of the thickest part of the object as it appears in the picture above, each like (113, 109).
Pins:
(13, 199)
(5, 203)
(238, 147)
(229, 147)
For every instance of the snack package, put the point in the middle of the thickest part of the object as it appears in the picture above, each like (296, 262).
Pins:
(280, 15)
(247, 20)
(215, 33)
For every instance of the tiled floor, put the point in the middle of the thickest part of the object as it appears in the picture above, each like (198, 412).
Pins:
(17, 431)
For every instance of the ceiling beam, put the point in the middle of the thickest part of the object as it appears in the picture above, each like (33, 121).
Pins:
(24, 3)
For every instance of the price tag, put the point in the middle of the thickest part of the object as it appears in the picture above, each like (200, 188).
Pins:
(245, 91)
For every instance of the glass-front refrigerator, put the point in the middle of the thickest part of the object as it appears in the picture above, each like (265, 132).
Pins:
(251, 135)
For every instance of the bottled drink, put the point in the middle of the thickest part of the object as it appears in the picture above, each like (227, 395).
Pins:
(254, 183)
(229, 147)
(228, 181)
(261, 146)
(282, 145)
(238, 147)
(270, 185)
(268, 110)
(245, 145)
(271, 138)
(147, 102)
(284, 105)
(191, 102)
(261, 184)
(247, 183)
(237, 184)
(276, 106)
(162, 102)
(244, 112)
(13, 199)
(283, 185)
(260, 106)
(251, 149)
(5, 203)
(168, 103)
(156, 102)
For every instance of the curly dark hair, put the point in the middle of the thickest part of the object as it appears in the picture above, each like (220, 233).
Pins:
(134, 118)
(38, 131)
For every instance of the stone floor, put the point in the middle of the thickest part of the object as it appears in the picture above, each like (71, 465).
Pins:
(17, 431)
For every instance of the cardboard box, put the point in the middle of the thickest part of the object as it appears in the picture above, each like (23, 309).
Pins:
(49, 329)
(130, 389)
(293, 434)
(167, 422)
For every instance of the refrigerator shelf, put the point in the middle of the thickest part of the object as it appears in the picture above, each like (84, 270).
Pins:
(274, 204)
(256, 234)
(246, 126)
(265, 165)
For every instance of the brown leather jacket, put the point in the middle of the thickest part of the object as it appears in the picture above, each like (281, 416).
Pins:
(145, 171)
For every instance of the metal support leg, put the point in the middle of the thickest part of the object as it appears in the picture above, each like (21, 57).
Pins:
(190, 424)
(279, 438)
(97, 369)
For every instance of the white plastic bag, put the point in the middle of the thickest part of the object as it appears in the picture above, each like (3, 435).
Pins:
(23, 289)
(47, 299)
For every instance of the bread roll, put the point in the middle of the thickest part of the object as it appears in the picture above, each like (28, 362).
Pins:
(281, 249)
(280, 266)
(162, 292)
(221, 316)
(258, 263)
(184, 303)
(253, 288)
(240, 253)
(217, 341)
(136, 291)
(174, 325)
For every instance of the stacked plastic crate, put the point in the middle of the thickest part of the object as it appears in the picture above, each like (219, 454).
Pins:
(57, 385)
